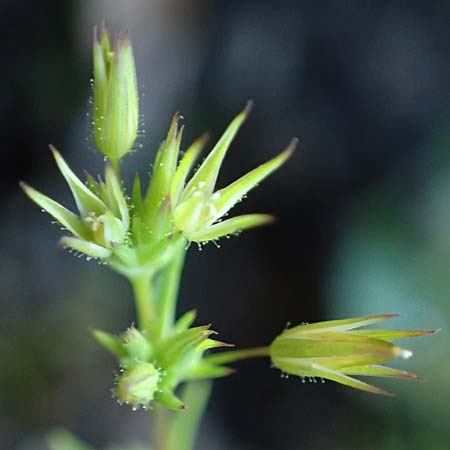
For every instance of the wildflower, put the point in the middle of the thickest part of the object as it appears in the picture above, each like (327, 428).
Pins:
(103, 221)
(116, 101)
(336, 350)
(197, 208)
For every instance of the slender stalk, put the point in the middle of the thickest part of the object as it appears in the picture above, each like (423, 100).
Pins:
(236, 355)
(184, 425)
(168, 293)
(145, 308)
(115, 163)
(160, 429)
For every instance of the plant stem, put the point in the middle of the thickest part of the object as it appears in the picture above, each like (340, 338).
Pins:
(115, 165)
(160, 429)
(145, 308)
(168, 293)
(236, 355)
(184, 425)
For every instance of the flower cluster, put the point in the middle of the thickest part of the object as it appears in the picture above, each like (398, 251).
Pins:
(150, 371)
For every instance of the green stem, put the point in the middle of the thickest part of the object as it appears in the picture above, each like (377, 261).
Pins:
(184, 425)
(115, 163)
(168, 293)
(236, 355)
(145, 308)
(160, 429)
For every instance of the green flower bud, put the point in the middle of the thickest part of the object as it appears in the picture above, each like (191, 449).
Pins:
(116, 102)
(137, 345)
(336, 349)
(137, 385)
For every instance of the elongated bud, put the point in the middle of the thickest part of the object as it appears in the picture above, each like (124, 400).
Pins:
(137, 385)
(336, 350)
(116, 102)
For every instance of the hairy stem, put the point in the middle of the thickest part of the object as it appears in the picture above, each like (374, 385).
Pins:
(236, 355)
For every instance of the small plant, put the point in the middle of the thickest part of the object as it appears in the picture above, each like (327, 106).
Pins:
(145, 236)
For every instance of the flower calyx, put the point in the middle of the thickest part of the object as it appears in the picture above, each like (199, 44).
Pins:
(337, 350)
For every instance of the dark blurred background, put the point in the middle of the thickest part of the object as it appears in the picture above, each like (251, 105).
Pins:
(363, 205)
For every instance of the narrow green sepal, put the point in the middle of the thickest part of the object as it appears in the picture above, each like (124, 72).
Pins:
(379, 371)
(185, 321)
(176, 345)
(205, 370)
(168, 399)
(224, 199)
(163, 171)
(110, 342)
(137, 194)
(66, 218)
(230, 226)
(88, 248)
(392, 335)
(85, 199)
(117, 201)
(340, 325)
(205, 177)
(92, 184)
(209, 344)
(185, 166)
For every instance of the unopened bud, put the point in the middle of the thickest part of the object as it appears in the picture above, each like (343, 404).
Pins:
(138, 384)
(116, 102)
